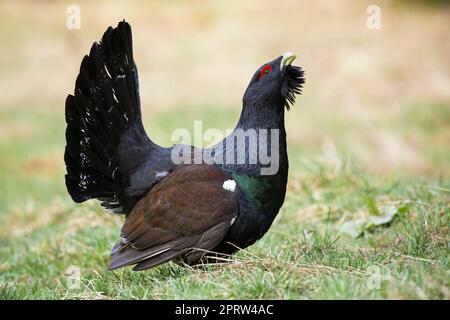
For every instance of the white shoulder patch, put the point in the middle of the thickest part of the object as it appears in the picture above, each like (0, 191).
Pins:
(161, 174)
(229, 185)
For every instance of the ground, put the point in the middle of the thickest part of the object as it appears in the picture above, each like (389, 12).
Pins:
(371, 132)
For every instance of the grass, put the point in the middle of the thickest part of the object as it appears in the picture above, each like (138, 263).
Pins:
(303, 256)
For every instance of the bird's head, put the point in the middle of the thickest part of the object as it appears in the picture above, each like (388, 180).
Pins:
(275, 83)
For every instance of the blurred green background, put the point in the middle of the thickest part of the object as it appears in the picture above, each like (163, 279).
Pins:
(375, 101)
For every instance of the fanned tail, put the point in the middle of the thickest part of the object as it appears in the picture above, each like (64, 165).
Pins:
(103, 112)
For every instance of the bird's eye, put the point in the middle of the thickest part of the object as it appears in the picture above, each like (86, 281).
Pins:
(265, 71)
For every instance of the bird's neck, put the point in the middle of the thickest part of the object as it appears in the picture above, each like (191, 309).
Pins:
(258, 116)
(267, 191)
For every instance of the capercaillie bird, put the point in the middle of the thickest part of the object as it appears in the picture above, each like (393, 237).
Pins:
(174, 211)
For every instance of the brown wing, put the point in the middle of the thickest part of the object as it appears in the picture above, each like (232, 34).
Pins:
(187, 210)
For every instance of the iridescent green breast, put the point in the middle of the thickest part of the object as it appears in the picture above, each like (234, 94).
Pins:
(267, 192)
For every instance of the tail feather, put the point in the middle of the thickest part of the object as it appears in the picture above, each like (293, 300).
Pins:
(104, 107)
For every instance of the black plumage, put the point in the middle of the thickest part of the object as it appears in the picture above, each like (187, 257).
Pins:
(173, 211)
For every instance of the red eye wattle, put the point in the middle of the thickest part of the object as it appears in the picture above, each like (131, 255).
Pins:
(265, 70)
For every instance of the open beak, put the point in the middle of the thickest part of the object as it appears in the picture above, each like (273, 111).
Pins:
(287, 59)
